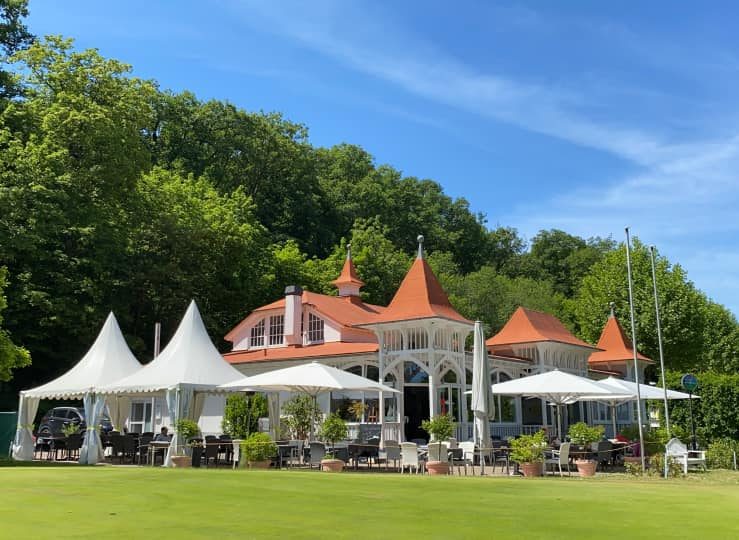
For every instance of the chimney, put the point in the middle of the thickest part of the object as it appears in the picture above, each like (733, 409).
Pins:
(293, 315)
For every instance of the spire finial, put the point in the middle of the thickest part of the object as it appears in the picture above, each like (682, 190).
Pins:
(348, 252)
(420, 246)
(612, 305)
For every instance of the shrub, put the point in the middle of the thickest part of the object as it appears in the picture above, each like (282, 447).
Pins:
(241, 414)
(529, 448)
(70, 429)
(187, 428)
(440, 427)
(720, 453)
(657, 466)
(581, 433)
(258, 447)
(333, 429)
(301, 413)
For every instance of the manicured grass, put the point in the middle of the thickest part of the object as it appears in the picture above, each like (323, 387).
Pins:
(125, 502)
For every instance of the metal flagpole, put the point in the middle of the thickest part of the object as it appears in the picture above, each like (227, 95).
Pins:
(633, 345)
(659, 340)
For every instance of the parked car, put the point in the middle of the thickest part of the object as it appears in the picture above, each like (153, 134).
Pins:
(55, 419)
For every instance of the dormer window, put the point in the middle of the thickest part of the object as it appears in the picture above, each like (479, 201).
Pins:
(256, 337)
(276, 329)
(315, 328)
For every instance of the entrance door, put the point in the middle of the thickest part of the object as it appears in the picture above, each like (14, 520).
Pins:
(416, 408)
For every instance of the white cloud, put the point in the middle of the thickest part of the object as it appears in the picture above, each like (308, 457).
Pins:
(684, 189)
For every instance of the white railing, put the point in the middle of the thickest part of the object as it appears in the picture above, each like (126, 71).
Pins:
(391, 431)
(514, 430)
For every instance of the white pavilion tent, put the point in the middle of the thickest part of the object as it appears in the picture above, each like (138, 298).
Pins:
(108, 360)
(185, 372)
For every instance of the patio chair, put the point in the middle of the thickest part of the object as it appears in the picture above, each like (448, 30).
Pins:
(453, 443)
(225, 447)
(72, 445)
(409, 457)
(116, 446)
(392, 453)
(676, 450)
(317, 452)
(500, 455)
(463, 455)
(211, 451)
(285, 453)
(418, 442)
(236, 445)
(560, 457)
(130, 447)
(604, 453)
(143, 449)
(438, 451)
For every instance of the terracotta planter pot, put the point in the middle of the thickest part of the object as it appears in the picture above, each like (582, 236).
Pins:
(632, 459)
(586, 467)
(260, 464)
(182, 462)
(530, 469)
(332, 465)
(437, 467)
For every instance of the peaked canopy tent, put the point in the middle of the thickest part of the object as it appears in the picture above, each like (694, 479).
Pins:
(557, 387)
(108, 360)
(311, 379)
(189, 368)
(627, 389)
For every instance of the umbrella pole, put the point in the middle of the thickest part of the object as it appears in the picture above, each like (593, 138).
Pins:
(613, 419)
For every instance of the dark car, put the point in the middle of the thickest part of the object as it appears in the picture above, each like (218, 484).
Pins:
(55, 419)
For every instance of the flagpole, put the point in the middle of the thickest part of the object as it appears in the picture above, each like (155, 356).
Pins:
(634, 345)
(659, 340)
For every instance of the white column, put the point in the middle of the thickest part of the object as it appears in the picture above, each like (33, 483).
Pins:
(381, 397)
(432, 395)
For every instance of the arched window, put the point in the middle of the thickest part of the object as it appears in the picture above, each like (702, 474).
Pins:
(413, 373)
(373, 372)
(449, 377)
(256, 336)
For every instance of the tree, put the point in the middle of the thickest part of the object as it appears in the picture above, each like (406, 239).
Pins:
(242, 413)
(14, 36)
(11, 355)
(681, 306)
(492, 298)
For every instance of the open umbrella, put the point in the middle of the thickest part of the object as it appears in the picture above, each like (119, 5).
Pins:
(628, 391)
(311, 379)
(557, 387)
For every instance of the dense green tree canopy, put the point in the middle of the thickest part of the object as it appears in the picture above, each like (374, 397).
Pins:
(116, 195)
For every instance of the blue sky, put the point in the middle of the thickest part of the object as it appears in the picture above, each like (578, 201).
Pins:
(584, 116)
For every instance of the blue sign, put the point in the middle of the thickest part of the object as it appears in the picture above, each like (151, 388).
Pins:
(689, 382)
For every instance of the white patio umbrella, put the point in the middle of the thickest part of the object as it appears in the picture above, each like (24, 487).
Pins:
(628, 389)
(483, 407)
(311, 379)
(557, 387)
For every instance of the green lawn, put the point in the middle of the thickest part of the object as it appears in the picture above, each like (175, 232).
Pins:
(125, 502)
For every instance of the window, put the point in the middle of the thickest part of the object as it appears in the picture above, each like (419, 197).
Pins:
(505, 407)
(256, 338)
(315, 328)
(276, 329)
(140, 420)
(414, 373)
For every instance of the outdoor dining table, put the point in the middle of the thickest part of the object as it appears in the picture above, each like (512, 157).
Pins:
(359, 450)
(153, 447)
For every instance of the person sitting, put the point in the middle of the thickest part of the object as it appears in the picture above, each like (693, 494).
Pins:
(162, 436)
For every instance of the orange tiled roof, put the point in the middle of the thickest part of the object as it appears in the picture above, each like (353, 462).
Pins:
(529, 326)
(615, 344)
(342, 310)
(348, 274)
(337, 348)
(420, 296)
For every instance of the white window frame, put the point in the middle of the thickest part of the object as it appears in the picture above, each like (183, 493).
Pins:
(256, 334)
(276, 330)
(316, 329)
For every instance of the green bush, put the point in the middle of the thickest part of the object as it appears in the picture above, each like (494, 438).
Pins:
(70, 429)
(301, 412)
(258, 447)
(528, 448)
(440, 427)
(581, 433)
(657, 466)
(242, 413)
(720, 453)
(333, 429)
(187, 428)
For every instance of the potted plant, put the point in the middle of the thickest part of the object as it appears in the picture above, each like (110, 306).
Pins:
(258, 450)
(186, 429)
(528, 452)
(333, 430)
(584, 435)
(301, 413)
(357, 409)
(440, 428)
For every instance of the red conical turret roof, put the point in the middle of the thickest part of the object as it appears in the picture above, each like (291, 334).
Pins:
(615, 344)
(529, 326)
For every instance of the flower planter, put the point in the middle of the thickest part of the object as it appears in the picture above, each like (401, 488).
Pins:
(260, 464)
(586, 467)
(182, 462)
(332, 465)
(437, 467)
(530, 469)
